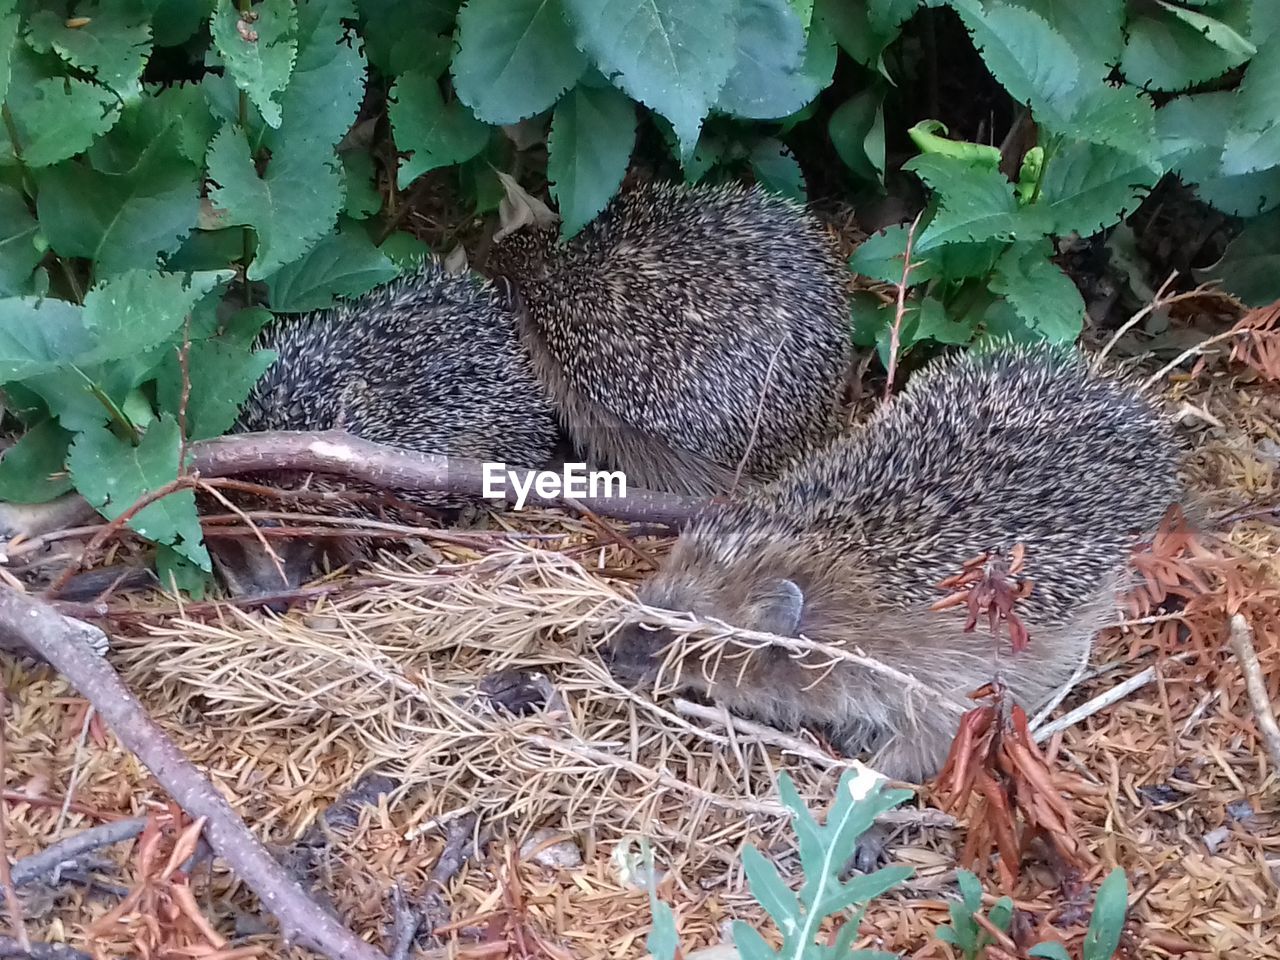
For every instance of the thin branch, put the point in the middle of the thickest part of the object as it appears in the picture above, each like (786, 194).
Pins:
(212, 490)
(184, 365)
(12, 904)
(755, 424)
(69, 646)
(48, 861)
(387, 467)
(1188, 354)
(1241, 635)
(895, 334)
(1156, 303)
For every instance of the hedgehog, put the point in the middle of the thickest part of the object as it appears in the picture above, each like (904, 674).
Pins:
(1032, 448)
(430, 362)
(692, 337)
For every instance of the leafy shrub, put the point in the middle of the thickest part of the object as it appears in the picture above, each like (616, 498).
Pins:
(180, 170)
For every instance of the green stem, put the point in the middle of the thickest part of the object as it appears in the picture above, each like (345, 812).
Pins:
(247, 245)
(1050, 149)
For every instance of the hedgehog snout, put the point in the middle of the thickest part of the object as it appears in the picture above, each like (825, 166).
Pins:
(633, 656)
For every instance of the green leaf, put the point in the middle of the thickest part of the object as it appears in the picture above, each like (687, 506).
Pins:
(1043, 296)
(8, 40)
(328, 80)
(974, 203)
(751, 946)
(515, 58)
(343, 264)
(221, 376)
(139, 310)
(1049, 951)
(19, 253)
(1001, 914)
(1095, 31)
(259, 54)
(113, 46)
(363, 199)
(122, 220)
(33, 470)
(1165, 52)
(864, 28)
(671, 55)
(1215, 31)
(970, 890)
(113, 475)
(405, 250)
(879, 257)
(1250, 267)
(769, 889)
(593, 131)
(38, 335)
(399, 37)
(172, 120)
(434, 133)
(809, 835)
(290, 208)
(663, 940)
(174, 22)
(1088, 187)
(856, 128)
(777, 170)
(767, 80)
(1253, 140)
(176, 572)
(1107, 923)
(55, 118)
(861, 890)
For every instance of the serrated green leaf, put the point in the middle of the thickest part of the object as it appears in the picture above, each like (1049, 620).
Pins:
(405, 250)
(290, 209)
(8, 40)
(751, 946)
(1253, 139)
(259, 54)
(1094, 30)
(363, 199)
(768, 80)
(853, 127)
(879, 257)
(172, 120)
(1164, 52)
(777, 170)
(1215, 31)
(18, 251)
(1107, 923)
(515, 58)
(221, 376)
(33, 470)
(343, 264)
(113, 475)
(671, 55)
(593, 131)
(113, 46)
(176, 572)
(1043, 296)
(809, 836)
(328, 80)
(1049, 951)
(769, 889)
(399, 37)
(1001, 914)
(1250, 267)
(974, 204)
(55, 118)
(860, 33)
(1088, 187)
(139, 310)
(121, 220)
(434, 133)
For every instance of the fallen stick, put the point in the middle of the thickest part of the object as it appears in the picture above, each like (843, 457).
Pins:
(40, 951)
(46, 863)
(1241, 635)
(393, 468)
(69, 646)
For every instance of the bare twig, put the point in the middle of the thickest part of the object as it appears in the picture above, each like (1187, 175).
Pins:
(12, 904)
(40, 951)
(48, 861)
(895, 334)
(1241, 636)
(212, 490)
(1156, 303)
(336, 452)
(68, 646)
(1188, 353)
(184, 365)
(1104, 700)
(755, 424)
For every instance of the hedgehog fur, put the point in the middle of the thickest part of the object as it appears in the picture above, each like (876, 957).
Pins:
(995, 447)
(661, 325)
(428, 362)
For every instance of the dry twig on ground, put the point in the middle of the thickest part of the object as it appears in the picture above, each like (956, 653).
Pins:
(67, 646)
(1241, 635)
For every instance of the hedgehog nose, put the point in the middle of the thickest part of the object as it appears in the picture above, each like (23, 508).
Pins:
(629, 663)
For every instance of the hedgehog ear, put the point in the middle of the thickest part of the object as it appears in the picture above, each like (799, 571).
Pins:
(778, 606)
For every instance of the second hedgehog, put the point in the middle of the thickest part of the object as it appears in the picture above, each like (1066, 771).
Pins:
(992, 449)
(685, 331)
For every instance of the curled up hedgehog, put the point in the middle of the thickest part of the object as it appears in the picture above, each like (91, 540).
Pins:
(1000, 447)
(688, 334)
(429, 362)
